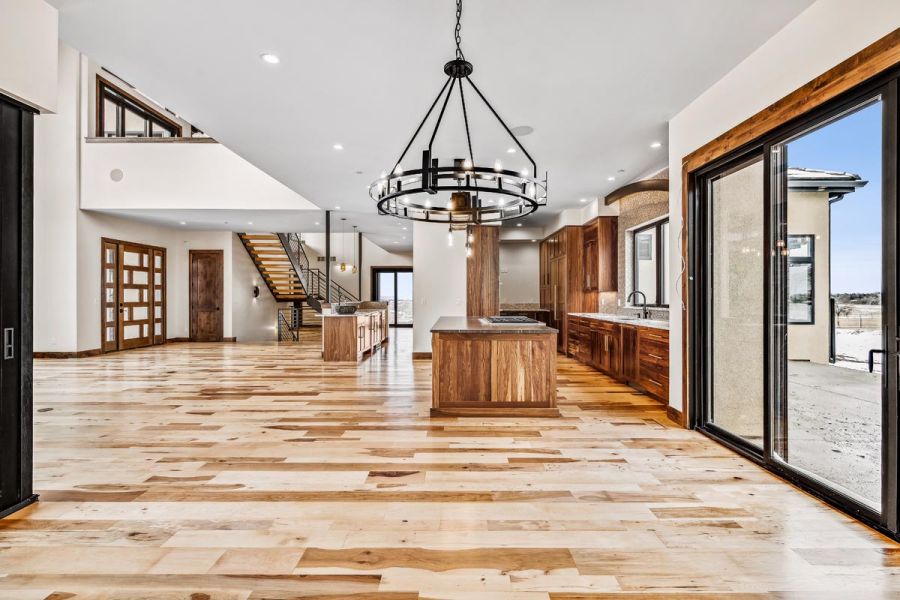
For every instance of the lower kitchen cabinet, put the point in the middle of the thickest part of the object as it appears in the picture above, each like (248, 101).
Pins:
(633, 354)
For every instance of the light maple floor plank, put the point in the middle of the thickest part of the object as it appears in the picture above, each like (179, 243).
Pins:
(236, 471)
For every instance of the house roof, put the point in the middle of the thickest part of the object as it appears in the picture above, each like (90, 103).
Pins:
(836, 183)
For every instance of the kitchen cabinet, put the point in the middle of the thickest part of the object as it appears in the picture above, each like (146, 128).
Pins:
(561, 276)
(631, 353)
(350, 337)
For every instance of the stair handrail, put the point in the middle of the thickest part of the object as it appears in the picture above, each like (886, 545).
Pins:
(285, 331)
(312, 279)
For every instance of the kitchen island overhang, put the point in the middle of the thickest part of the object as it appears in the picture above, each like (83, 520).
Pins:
(487, 369)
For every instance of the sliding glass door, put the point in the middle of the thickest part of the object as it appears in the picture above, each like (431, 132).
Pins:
(830, 293)
(394, 285)
(794, 309)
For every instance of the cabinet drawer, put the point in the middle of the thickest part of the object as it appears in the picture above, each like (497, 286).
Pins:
(653, 368)
(658, 335)
(653, 356)
(658, 387)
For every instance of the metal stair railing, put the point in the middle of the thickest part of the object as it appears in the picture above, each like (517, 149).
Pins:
(312, 279)
(287, 332)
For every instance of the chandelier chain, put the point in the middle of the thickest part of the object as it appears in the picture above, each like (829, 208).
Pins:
(459, 52)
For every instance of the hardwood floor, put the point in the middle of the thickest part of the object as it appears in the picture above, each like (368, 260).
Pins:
(234, 471)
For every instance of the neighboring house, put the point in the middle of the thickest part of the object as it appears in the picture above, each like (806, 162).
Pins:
(811, 192)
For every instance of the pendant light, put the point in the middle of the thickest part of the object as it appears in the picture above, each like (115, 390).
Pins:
(355, 254)
(343, 266)
(459, 190)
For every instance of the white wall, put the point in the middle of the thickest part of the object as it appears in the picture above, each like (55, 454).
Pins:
(439, 281)
(56, 145)
(180, 175)
(28, 52)
(253, 319)
(374, 255)
(822, 36)
(519, 272)
(93, 225)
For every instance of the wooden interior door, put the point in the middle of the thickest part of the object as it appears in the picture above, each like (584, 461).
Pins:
(207, 292)
(135, 303)
(132, 295)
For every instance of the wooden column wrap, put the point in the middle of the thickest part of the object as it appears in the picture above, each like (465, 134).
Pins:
(483, 273)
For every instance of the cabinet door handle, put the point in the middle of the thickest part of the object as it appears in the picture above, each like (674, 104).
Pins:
(9, 343)
(654, 356)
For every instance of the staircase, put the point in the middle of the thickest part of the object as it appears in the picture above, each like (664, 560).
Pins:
(284, 266)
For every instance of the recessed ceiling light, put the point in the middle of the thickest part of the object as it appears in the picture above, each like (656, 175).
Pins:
(337, 208)
(610, 178)
(656, 144)
(270, 58)
(518, 224)
(338, 146)
(317, 222)
(404, 229)
(533, 241)
(249, 222)
(583, 200)
(511, 150)
(182, 223)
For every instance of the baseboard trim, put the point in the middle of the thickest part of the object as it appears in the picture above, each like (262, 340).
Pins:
(179, 340)
(17, 507)
(675, 415)
(421, 355)
(79, 354)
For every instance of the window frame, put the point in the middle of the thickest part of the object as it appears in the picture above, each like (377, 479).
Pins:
(123, 100)
(660, 267)
(804, 260)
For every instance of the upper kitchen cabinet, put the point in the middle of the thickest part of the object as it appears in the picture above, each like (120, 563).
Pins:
(601, 255)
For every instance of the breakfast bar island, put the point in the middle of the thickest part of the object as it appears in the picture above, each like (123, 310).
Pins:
(483, 368)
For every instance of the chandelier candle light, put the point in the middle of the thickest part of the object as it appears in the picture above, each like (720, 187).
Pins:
(459, 192)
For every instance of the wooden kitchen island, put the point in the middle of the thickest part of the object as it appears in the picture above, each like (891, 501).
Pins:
(484, 369)
(348, 338)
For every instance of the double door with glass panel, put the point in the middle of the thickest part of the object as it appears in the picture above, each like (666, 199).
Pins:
(133, 295)
(395, 286)
(794, 343)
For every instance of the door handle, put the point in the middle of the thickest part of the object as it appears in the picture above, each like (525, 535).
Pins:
(872, 354)
(9, 343)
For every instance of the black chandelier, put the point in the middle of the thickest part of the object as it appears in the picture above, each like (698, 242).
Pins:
(477, 194)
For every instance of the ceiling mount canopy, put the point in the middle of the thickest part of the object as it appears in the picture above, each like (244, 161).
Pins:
(459, 190)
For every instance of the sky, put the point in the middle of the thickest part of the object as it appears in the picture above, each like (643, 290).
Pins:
(853, 144)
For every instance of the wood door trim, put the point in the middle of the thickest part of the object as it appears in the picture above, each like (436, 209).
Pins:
(871, 61)
(191, 330)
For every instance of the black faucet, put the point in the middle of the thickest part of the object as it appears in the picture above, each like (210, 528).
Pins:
(645, 314)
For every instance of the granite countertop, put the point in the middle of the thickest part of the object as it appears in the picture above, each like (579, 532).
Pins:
(476, 325)
(625, 320)
(358, 313)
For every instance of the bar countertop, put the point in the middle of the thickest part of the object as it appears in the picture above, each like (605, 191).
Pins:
(478, 325)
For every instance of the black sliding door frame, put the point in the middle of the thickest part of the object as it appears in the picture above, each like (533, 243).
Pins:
(16, 260)
(376, 271)
(700, 255)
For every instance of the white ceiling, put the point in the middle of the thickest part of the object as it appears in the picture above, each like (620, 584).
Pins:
(596, 79)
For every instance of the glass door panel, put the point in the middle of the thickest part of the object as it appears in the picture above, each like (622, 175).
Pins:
(395, 286)
(404, 298)
(386, 292)
(830, 285)
(736, 275)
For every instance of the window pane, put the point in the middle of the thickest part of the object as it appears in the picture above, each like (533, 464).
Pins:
(134, 124)
(737, 300)
(404, 298)
(159, 130)
(645, 263)
(109, 119)
(800, 293)
(386, 292)
(664, 261)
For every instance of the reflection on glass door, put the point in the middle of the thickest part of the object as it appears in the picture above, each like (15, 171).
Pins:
(736, 291)
(829, 282)
(395, 286)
